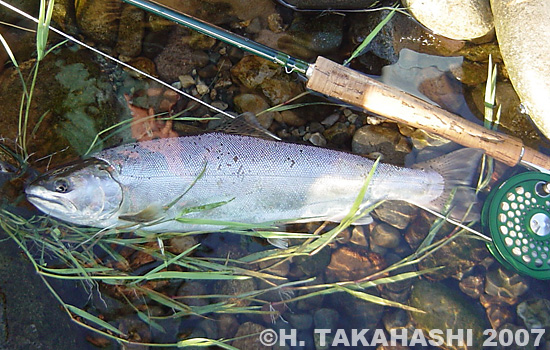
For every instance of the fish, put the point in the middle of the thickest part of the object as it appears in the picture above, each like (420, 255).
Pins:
(202, 182)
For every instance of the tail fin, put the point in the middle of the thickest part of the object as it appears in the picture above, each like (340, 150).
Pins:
(458, 170)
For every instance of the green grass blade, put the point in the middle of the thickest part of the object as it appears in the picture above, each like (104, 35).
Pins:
(204, 342)
(93, 319)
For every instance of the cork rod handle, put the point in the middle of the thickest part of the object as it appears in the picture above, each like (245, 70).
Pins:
(352, 87)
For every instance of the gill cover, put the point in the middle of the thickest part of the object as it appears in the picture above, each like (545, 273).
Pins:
(84, 193)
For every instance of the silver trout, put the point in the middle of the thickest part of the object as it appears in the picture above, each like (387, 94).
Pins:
(236, 178)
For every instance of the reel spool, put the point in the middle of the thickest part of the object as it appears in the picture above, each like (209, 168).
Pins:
(517, 215)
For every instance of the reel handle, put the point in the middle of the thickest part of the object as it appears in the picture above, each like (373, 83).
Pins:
(357, 89)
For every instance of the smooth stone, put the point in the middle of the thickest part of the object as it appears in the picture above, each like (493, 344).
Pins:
(525, 49)
(307, 38)
(250, 342)
(499, 314)
(300, 321)
(455, 19)
(472, 286)
(255, 104)
(535, 313)
(313, 265)
(358, 236)
(511, 118)
(328, 4)
(224, 11)
(378, 139)
(227, 325)
(178, 245)
(99, 19)
(280, 88)
(177, 58)
(317, 139)
(339, 134)
(386, 236)
(504, 283)
(398, 214)
(290, 118)
(347, 263)
(234, 288)
(326, 318)
(252, 71)
(130, 31)
(446, 309)
(458, 257)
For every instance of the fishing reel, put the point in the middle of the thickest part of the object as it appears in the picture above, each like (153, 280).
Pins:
(517, 216)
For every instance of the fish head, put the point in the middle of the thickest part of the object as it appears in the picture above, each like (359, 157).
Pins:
(85, 193)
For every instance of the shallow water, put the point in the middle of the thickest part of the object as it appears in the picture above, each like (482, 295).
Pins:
(78, 94)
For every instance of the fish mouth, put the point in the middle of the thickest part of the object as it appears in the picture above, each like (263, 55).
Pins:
(49, 204)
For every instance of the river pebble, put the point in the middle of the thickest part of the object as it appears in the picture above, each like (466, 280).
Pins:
(455, 19)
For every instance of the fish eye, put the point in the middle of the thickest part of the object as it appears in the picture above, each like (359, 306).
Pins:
(61, 186)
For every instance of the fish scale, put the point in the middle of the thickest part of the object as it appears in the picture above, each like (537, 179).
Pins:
(261, 181)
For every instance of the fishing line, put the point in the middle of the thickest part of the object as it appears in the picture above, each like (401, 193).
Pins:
(76, 41)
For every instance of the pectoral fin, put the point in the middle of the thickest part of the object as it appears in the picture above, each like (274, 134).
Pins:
(151, 213)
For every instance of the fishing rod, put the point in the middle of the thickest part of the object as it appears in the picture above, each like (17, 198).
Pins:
(340, 82)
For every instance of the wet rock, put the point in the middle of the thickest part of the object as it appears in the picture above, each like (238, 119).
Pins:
(178, 245)
(224, 11)
(177, 58)
(307, 38)
(326, 319)
(280, 88)
(328, 4)
(524, 52)
(500, 314)
(504, 283)
(396, 213)
(511, 118)
(386, 236)
(445, 309)
(72, 100)
(313, 265)
(255, 104)
(471, 73)
(252, 342)
(401, 32)
(535, 313)
(317, 139)
(455, 19)
(252, 71)
(339, 134)
(130, 31)
(190, 289)
(234, 288)
(358, 236)
(99, 19)
(352, 264)
(472, 286)
(290, 118)
(354, 311)
(457, 257)
(514, 329)
(301, 321)
(64, 16)
(381, 140)
(228, 326)
(418, 230)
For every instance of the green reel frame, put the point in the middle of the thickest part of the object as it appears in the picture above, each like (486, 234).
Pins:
(517, 216)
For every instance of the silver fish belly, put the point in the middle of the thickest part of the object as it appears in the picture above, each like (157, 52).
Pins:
(259, 181)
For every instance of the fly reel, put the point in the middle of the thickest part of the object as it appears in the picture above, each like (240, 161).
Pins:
(517, 215)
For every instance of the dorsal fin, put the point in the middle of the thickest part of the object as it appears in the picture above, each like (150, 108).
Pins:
(245, 124)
